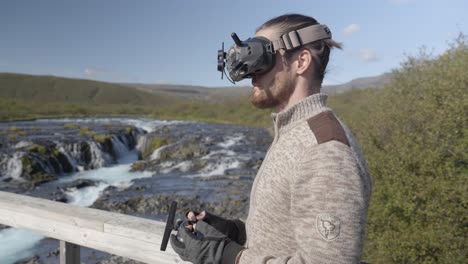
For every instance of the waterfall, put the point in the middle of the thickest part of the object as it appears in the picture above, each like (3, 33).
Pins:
(15, 166)
(120, 148)
(141, 142)
(23, 144)
(71, 161)
(98, 158)
(157, 152)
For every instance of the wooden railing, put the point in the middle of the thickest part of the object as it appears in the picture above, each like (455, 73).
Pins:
(128, 236)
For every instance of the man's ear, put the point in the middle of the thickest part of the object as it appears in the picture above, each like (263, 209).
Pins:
(304, 61)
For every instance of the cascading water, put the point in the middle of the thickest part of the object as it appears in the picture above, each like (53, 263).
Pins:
(68, 156)
(111, 165)
(20, 243)
(120, 145)
(15, 166)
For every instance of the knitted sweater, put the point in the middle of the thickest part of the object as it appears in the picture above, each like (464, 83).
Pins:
(310, 197)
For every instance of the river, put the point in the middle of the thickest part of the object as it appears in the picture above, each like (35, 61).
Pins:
(200, 160)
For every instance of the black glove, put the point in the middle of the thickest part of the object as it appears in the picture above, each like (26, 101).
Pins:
(234, 229)
(205, 245)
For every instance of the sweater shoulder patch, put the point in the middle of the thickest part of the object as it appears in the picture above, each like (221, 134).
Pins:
(326, 128)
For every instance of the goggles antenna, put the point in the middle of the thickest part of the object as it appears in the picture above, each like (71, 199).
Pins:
(236, 39)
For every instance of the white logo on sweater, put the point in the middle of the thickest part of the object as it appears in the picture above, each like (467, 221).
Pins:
(328, 226)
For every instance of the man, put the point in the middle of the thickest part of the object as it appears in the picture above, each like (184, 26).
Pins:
(310, 197)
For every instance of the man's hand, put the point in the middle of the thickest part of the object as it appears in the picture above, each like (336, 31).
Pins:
(201, 244)
(233, 229)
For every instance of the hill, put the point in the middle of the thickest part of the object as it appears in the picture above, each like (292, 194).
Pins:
(195, 93)
(58, 89)
(70, 90)
(200, 93)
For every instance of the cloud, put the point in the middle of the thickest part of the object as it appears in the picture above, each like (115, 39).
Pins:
(90, 72)
(368, 55)
(351, 29)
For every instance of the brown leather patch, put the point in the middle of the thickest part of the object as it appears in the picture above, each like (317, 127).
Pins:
(326, 128)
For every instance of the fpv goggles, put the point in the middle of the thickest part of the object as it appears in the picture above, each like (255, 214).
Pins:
(257, 55)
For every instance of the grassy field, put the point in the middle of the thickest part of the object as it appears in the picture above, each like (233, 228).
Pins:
(413, 133)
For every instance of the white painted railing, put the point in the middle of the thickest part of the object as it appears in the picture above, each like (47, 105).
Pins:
(128, 236)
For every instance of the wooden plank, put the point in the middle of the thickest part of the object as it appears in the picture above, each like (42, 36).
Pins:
(69, 253)
(86, 217)
(123, 235)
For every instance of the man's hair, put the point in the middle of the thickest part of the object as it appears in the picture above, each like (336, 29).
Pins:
(320, 49)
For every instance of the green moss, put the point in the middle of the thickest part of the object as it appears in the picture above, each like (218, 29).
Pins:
(129, 129)
(158, 142)
(138, 166)
(71, 126)
(14, 128)
(37, 149)
(41, 177)
(26, 163)
(154, 144)
(13, 136)
(101, 137)
(84, 131)
(55, 152)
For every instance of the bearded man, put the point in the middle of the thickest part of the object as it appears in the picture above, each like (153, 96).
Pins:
(310, 197)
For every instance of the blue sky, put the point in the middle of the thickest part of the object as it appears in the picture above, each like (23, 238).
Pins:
(174, 41)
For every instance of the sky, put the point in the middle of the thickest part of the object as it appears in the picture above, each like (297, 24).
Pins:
(175, 41)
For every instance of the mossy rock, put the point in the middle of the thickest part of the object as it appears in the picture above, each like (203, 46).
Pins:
(71, 126)
(26, 163)
(129, 130)
(153, 145)
(84, 131)
(138, 166)
(184, 151)
(37, 149)
(41, 177)
(101, 138)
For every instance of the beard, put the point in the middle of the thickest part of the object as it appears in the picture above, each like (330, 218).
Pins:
(273, 94)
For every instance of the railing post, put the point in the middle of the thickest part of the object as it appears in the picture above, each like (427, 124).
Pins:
(69, 253)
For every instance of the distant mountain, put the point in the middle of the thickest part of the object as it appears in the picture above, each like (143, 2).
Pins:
(208, 94)
(194, 93)
(359, 83)
(59, 89)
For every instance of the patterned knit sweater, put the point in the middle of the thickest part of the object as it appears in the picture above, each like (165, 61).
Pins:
(310, 197)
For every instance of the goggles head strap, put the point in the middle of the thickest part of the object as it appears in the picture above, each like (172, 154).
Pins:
(297, 38)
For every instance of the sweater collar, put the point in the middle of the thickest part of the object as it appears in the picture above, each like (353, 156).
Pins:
(304, 109)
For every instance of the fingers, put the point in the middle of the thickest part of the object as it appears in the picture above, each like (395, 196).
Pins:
(201, 216)
(191, 216)
(194, 216)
